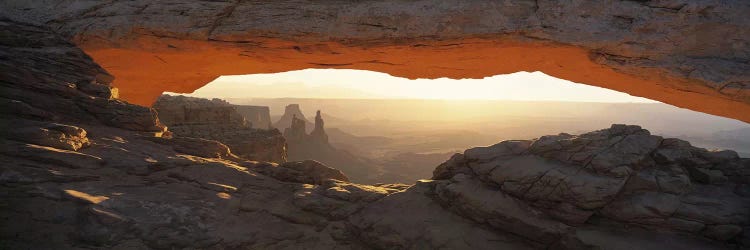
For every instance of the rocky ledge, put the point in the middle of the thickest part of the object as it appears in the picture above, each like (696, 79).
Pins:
(621, 178)
(219, 120)
(82, 169)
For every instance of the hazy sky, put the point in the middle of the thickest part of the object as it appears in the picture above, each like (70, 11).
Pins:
(358, 84)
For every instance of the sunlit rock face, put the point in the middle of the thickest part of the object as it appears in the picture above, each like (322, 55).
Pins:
(691, 54)
(219, 120)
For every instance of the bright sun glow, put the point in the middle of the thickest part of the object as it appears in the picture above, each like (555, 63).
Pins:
(360, 84)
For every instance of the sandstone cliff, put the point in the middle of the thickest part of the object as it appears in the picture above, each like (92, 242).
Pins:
(258, 116)
(219, 120)
(89, 172)
(292, 111)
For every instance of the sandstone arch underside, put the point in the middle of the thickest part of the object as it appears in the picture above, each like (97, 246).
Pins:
(692, 54)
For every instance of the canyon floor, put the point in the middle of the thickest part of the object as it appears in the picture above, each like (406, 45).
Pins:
(83, 169)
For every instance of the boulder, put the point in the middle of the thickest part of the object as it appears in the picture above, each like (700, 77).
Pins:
(48, 134)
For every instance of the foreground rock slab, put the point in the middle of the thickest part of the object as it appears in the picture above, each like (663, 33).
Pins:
(622, 177)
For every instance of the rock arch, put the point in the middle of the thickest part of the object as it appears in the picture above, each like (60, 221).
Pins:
(692, 54)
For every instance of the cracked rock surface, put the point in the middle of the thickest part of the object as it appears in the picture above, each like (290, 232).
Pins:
(617, 178)
(82, 169)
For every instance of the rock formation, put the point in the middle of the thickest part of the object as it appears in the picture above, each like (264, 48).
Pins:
(43, 102)
(318, 133)
(258, 116)
(82, 169)
(688, 53)
(314, 146)
(307, 171)
(606, 180)
(291, 111)
(296, 133)
(219, 120)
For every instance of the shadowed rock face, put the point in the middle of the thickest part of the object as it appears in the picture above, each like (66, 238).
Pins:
(89, 172)
(258, 116)
(689, 53)
(292, 111)
(45, 78)
(315, 146)
(541, 188)
(219, 120)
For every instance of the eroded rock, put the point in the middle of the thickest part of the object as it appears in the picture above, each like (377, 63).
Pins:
(219, 120)
(612, 189)
(308, 171)
(621, 174)
(688, 53)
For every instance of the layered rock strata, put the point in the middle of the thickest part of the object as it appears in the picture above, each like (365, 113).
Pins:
(219, 120)
(619, 177)
(689, 53)
(258, 116)
(48, 82)
(77, 180)
(291, 112)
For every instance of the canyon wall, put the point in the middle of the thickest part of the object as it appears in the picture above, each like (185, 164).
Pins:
(291, 112)
(84, 170)
(219, 120)
(50, 80)
(689, 53)
(258, 116)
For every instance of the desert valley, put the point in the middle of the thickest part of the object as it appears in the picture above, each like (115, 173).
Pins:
(401, 141)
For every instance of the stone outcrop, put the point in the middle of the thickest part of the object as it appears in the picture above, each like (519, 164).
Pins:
(197, 146)
(688, 53)
(61, 93)
(318, 133)
(75, 181)
(546, 187)
(308, 172)
(219, 120)
(314, 146)
(258, 116)
(296, 133)
(291, 112)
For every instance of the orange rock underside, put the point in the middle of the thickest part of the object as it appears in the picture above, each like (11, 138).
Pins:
(162, 64)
